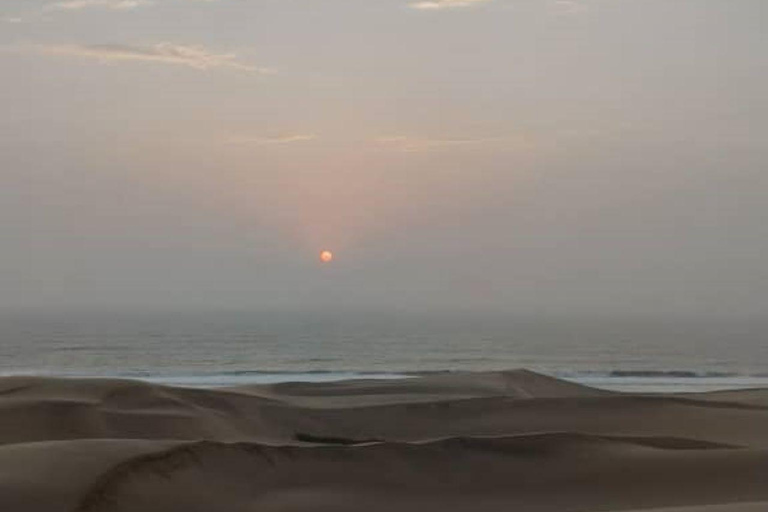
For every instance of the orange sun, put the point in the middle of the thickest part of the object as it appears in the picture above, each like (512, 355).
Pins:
(326, 256)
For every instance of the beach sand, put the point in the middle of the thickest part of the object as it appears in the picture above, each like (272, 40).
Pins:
(444, 442)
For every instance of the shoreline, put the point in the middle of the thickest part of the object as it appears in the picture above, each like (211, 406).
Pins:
(640, 381)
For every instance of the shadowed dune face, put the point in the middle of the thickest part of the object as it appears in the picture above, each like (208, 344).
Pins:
(440, 442)
(587, 471)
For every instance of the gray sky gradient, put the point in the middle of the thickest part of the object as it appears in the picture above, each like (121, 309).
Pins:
(507, 155)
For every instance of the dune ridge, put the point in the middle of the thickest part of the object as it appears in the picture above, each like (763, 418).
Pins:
(447, 441)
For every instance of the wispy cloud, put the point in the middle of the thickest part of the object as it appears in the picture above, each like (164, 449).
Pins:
(270, 140)
(76, 5)
(196, 57)
(11, 19)
(567, 7)
(416, 144)
(433, 5)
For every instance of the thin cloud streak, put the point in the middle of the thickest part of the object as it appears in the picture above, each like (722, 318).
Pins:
(567, 7)
(435, 5)
(196, 57)
(415, 144)
(76, 5)
(271, 140)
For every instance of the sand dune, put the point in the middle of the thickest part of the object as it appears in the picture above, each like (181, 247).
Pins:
(450, 442)
(729, 507)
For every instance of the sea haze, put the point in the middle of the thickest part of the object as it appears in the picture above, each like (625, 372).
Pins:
(227, 348)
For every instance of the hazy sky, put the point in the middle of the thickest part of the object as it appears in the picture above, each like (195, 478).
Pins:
(507, 155)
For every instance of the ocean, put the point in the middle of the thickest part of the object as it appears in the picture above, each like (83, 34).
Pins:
(226, 348)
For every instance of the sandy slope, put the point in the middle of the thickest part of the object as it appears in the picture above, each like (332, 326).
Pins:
(449, 442)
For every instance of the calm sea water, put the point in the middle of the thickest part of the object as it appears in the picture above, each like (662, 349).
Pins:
(228, 348)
